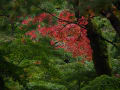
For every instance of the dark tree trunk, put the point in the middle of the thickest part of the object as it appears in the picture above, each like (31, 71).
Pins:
(117, 4)
(2, 84)
(100, 52)
(76, 9)
(99, 47)
(113, 19)
(12, 29)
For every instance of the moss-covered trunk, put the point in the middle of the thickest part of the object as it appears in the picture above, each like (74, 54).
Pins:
(100, 52)
(99, 47)
(113, 19)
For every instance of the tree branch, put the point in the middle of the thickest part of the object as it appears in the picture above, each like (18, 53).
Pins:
(54, 15)
(5, 16)
(112, 43)
(74, 22)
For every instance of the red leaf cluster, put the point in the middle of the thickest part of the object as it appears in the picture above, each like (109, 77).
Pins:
(71, 35)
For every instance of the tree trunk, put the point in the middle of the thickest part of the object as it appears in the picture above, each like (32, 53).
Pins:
(12, 29)
(113, 19)
(76, 9)
(117, 4)
(2, 84)
(99, 47)
(100, 52)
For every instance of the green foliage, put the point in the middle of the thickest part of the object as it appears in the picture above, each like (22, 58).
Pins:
(35, 65)
(12, 84)
(24, 53)
(41, 85)
(43, 67)
(116, 66)
(75, 75)
(116, 51)
(95, 5)
(9, 70)
(17, 50)
(103, 83)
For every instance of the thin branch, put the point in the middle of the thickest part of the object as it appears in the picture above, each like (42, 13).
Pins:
(75, 22)
(5, 16)
(55, 16)
(112, 43)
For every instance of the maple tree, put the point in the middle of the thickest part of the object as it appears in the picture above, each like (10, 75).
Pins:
(98, 44)
(92, 8)
(73, 30)
(67, 34)
(96, 40)
(89, 8)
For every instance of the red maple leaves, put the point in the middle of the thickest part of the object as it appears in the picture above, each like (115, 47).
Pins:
(71, 34)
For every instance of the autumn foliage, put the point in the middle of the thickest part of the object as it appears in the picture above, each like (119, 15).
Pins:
(68, 33)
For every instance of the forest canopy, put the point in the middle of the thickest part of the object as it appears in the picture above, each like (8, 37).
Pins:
(59, 44)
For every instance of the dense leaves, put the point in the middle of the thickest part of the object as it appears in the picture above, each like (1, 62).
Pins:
(49, 40)
(67, 34)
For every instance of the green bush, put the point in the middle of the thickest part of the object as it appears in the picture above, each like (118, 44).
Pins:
(76, 75)
(42, 85)
(103, 82)
(31, 57)
(16, 50)
(115, 66)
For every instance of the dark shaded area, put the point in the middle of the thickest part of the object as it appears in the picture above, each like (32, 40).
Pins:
(100, 53)
(67, 61)
(117, 4)
(10, 70)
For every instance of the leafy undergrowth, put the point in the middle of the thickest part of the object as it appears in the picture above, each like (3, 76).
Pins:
(4, 37)
(37, 66)
(103, 83)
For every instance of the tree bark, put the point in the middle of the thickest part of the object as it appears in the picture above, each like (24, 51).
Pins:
(100, 52)
(99, 47)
